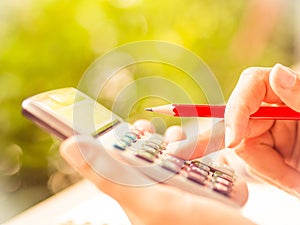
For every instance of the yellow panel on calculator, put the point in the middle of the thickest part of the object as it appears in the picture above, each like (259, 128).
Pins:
(82, 113)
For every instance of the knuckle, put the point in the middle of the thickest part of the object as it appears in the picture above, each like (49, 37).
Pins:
(254, 72)
(174, 133)
(293, 104)
(144, 125)
(242, 108)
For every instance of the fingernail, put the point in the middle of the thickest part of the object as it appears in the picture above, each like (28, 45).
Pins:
(285, 76)
(229, 136)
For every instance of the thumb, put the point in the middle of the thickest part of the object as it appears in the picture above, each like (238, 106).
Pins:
(286, 85)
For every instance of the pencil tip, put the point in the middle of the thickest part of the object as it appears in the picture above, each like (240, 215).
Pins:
(149, 109)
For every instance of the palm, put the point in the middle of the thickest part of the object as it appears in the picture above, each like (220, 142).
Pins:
(272, 152)
(286, 141)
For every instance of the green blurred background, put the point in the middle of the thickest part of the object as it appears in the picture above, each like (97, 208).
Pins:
(48, 44)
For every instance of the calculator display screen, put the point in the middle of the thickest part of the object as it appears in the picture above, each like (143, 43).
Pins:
(77, 110)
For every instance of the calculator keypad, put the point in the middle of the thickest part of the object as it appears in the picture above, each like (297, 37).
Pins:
(150, 147)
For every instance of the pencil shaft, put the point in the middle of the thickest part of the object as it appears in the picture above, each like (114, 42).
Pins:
(183, 110)
(217, 111)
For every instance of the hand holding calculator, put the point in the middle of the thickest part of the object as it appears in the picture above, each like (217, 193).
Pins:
(140, 157)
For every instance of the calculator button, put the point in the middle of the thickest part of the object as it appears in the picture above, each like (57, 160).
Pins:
(224, 176)
(132, 136)
(145, 155)
(152, 145)
(149, 147)
(197, 175)
(198, 170)
(223, 189)
(200, 165)
(121, 145)
(137, 132)
(172, 163)
(126, 140)
(144, 148)
(223, 181)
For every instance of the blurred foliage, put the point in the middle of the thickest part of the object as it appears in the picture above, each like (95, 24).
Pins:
(47, 44)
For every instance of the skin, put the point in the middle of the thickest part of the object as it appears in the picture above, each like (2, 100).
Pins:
(152, 204)
(271, 149)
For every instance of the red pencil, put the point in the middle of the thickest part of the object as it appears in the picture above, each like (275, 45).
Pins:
(217, 111)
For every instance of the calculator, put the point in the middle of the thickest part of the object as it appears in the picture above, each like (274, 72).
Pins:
(67, 111)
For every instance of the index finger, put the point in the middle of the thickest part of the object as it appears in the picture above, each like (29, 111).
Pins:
(251, 91)
(202, 144)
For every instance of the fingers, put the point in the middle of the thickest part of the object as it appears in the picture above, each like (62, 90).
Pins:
(137, 202)
(88, 156)
(148, 204)
(251, 91)
(277, 85)
(173, 134)
(210, 141)
(199, 145)
(286, 84)
(70, 150)
(144, 126)
(269, 164)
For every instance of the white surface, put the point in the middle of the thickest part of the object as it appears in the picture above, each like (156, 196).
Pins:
(81, 204)
(84, 204)
(268, 205)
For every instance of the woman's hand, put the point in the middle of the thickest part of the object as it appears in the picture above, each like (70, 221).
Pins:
(152, 204)
(270, 147)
